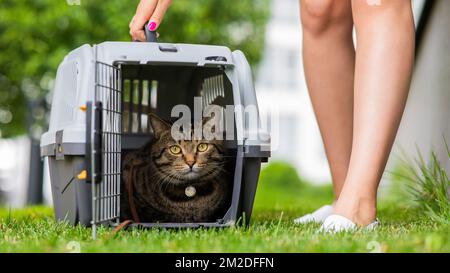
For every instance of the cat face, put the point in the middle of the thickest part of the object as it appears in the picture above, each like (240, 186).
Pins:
(183, 161)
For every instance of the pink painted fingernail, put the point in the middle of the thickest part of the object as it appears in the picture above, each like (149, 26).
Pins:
(152, 26)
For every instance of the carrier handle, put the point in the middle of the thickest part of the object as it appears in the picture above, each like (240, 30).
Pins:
(150, 35)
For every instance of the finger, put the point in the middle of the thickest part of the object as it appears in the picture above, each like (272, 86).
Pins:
(137, 34)
(131, 22)
(140, 36)
(143, 13)
(158, 14)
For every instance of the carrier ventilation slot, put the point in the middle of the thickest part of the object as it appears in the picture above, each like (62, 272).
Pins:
(212, 89)
(139, 100)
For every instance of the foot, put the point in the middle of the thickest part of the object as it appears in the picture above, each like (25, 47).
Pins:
(360, 210)
(337, 223)
(317, 216)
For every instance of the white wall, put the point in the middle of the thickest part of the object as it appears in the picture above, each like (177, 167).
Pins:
(427, 116)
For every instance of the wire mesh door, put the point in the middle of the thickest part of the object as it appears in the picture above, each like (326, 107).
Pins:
(106, 160)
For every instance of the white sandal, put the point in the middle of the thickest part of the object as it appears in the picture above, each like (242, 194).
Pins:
(318, 216)
(337, 223)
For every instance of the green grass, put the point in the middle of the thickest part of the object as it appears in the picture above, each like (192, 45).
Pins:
(271, 230)
(429, 186)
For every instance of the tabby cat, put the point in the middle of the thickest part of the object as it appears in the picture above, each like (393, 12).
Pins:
(174, 181)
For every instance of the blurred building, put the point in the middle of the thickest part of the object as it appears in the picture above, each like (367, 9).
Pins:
(281, 88)
(14, 165)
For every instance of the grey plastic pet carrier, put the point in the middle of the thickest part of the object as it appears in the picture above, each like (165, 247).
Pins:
(102, 97)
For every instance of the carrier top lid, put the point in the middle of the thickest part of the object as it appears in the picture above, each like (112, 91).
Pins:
(160, 53)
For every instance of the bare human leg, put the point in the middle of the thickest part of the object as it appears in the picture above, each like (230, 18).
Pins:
(329, 61)
(384, 61)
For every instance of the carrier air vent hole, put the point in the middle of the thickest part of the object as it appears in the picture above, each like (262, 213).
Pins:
(216, 58)
(139, 100)
(144, 106)
(212, 88)
(126, 104)
(144, 123)
(134, 107)
(154, 95)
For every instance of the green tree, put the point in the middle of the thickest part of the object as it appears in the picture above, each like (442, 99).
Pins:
(36, 34)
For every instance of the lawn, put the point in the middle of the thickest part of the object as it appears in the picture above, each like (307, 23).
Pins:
(271, 230)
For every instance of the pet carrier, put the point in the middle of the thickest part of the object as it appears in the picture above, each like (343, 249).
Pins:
(102, 99)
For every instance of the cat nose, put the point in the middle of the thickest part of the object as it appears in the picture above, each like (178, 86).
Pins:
(190, 160)
(190, 163)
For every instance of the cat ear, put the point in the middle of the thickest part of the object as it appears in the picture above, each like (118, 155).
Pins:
(158, 125)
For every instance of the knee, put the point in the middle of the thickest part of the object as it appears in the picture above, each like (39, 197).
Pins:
(320, 15)
(366, 12)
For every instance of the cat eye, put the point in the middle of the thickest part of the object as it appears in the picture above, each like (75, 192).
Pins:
(202, 147)
(175, 149)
